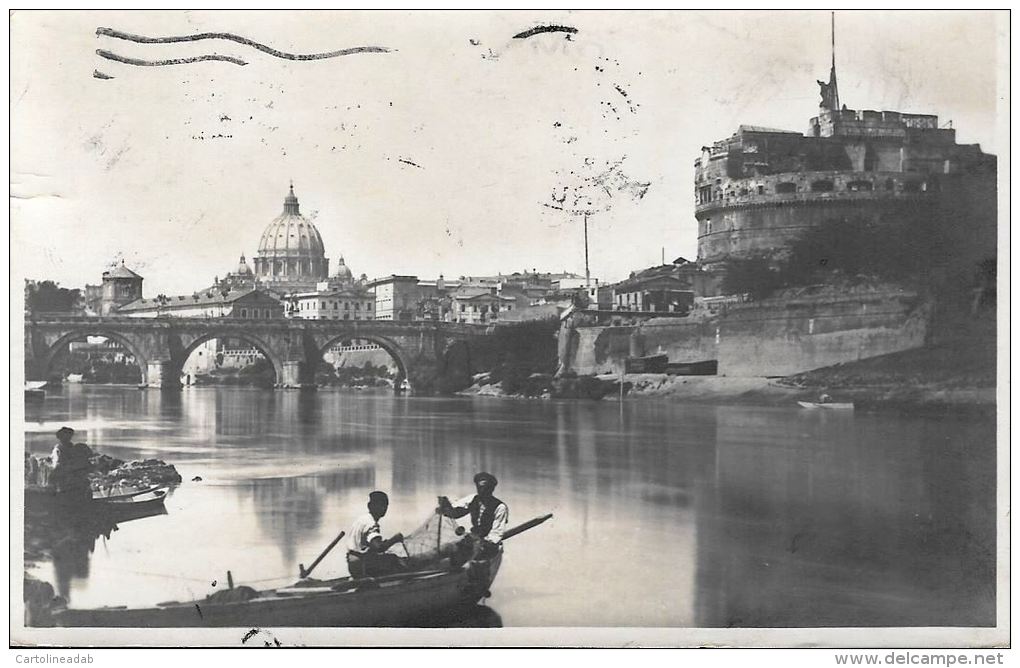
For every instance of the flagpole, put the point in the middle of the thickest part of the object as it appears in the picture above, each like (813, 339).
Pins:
(832, 77)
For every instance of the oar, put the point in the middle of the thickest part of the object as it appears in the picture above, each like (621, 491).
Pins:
(303, 572)
(521, 528)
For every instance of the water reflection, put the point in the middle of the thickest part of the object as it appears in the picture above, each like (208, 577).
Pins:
(665, 515)
(842, 521)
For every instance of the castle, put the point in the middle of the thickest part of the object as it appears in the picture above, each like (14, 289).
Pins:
(758, 190)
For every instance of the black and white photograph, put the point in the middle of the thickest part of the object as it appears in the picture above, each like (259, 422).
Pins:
(509, 328)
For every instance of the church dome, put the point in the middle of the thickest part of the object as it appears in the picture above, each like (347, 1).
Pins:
(290, 249)
(343, 272)
(242, 267)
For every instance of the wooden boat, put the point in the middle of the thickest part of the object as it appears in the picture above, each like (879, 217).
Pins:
(117, 508)
(831, 405)
(421, 598)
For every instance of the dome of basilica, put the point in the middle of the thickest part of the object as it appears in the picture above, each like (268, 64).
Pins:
(291, 252)
(343, 272)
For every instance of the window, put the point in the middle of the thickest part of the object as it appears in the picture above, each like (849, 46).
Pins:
(911, 186)
(859, 186)
(761, 190)
(244, 313)
(823, 186)
(786, 187)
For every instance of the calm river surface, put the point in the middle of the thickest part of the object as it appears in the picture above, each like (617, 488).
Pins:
(665, 514)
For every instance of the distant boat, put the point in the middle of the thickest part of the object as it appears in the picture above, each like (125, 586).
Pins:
(829, 405)
(34, 390)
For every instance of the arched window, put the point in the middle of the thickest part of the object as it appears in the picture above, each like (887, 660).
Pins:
(244, 313)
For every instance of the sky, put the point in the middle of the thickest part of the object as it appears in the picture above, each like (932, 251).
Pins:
(461, 151)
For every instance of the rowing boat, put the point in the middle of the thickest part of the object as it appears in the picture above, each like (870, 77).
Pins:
(832, 405)
(436, 593)
(420, 598)
(118, 508)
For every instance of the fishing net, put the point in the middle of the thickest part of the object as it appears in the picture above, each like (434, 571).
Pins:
(437, 538)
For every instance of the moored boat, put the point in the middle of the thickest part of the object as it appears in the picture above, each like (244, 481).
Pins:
(831, 405)
(117, 508)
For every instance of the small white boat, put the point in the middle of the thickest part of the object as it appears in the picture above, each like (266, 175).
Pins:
(829, 405)
(35, 384)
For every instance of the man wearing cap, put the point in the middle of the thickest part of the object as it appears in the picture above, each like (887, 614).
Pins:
(70, 465)
(366, 550)
(489, 515)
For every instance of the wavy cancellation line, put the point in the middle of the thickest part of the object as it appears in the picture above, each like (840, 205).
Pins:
(141, 39)
(172, 61)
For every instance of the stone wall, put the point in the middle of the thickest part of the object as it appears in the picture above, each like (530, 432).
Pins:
(773, 338)
(777, 337)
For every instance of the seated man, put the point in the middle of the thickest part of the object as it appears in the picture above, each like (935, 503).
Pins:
(489, 515)
(366, 549)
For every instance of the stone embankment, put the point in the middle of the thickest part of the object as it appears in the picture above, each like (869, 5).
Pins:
(958, 375)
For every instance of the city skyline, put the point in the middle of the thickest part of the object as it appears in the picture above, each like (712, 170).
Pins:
(448, 155)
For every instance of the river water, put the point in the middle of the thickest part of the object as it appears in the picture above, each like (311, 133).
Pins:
(665, 514)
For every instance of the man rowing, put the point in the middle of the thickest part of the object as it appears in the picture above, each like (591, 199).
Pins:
(367, 554)
(489, 515)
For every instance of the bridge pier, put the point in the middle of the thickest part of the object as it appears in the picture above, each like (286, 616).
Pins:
(295, 375)
(163, 374)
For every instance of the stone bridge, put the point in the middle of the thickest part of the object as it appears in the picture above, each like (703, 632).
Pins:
(426, 353)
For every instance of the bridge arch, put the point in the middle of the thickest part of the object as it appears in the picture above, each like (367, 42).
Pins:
(390, 346)
(61, 344)
(255, 341)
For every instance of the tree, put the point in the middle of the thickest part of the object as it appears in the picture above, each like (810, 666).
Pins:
(49, 297)
(752, 276)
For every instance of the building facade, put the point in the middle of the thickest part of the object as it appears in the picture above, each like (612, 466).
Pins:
(327, 304)
(244, 304)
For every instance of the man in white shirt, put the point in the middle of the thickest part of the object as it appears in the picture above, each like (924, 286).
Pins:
(367, 554)
(489, 515)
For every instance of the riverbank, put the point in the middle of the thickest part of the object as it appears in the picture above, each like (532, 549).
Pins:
(952, 376)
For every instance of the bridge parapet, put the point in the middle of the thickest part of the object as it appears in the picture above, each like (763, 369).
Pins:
(161, 345)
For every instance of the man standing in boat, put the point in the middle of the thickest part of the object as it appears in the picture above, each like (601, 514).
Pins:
(366, 548)
(70, 476)
(489, 515)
